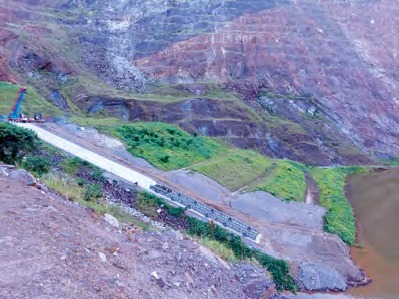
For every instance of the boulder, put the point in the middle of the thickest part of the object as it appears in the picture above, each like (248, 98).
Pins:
(24, 177)
(111, 220)
(257, 283)
(321, 277)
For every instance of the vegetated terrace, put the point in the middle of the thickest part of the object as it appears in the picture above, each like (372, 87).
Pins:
(168, 147)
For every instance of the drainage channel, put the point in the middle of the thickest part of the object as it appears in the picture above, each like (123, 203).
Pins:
(223, 219)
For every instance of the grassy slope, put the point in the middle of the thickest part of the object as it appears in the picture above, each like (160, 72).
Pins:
(244, 168)
(339, 218)
(32, 102)
(231, 167)
(286, 180)
(236, 168)
(166, 146)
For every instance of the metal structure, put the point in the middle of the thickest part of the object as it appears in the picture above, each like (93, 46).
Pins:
(217, 216)
(16, 111)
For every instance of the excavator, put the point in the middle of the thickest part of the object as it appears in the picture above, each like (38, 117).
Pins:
(16, 111)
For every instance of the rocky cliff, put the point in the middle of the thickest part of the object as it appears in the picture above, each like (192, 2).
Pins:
(306, 80)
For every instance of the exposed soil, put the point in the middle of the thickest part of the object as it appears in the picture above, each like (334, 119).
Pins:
(53, 248)
(312, 190)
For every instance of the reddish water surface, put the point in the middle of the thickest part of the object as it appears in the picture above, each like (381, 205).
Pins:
(375, 200)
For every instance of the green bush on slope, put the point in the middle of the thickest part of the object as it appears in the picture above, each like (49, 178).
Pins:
(16, 142)
(37, 164)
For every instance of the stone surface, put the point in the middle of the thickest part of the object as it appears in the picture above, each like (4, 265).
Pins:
(320, 277)
(267, 208)
(111, 220)
(23, 177)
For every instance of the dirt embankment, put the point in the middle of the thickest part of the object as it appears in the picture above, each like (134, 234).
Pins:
(53, 248)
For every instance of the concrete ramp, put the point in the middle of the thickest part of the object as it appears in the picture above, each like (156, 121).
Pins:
(95, 159)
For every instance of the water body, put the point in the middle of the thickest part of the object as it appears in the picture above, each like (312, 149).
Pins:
(375, 200)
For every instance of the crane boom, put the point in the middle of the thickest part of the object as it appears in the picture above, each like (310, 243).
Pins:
(16, 109)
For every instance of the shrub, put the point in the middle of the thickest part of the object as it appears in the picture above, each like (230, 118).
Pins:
(278, 268)
(219, 248)
(38, 164)
(71, 165)
(63, 184)
(16, 142)
(92, 192)
(97, 174)
(69, 187)
(164, 159)
(81, 182)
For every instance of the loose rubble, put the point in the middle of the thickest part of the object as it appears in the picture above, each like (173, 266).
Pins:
(68, 252)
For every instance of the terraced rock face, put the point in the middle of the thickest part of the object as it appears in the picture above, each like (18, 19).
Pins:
(325, 52)
(320, 79)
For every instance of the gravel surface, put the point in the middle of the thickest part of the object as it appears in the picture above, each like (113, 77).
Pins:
(268, 208)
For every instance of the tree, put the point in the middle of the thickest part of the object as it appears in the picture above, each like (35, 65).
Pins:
(16, 142)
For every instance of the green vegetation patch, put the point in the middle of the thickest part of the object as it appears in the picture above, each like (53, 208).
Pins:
(31, 104)
(286, 180)
(166, 146)
(16, 142)
(235, 168)
(36, 164)
(149, 203)
(239, 168)
(87, 195)
(339, 219)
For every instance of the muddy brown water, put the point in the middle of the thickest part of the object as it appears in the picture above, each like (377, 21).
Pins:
(375, 200)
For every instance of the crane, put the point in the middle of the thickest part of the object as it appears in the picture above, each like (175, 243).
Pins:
(16, 111)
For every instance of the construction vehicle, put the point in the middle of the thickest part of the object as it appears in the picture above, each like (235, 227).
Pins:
(16, 111)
